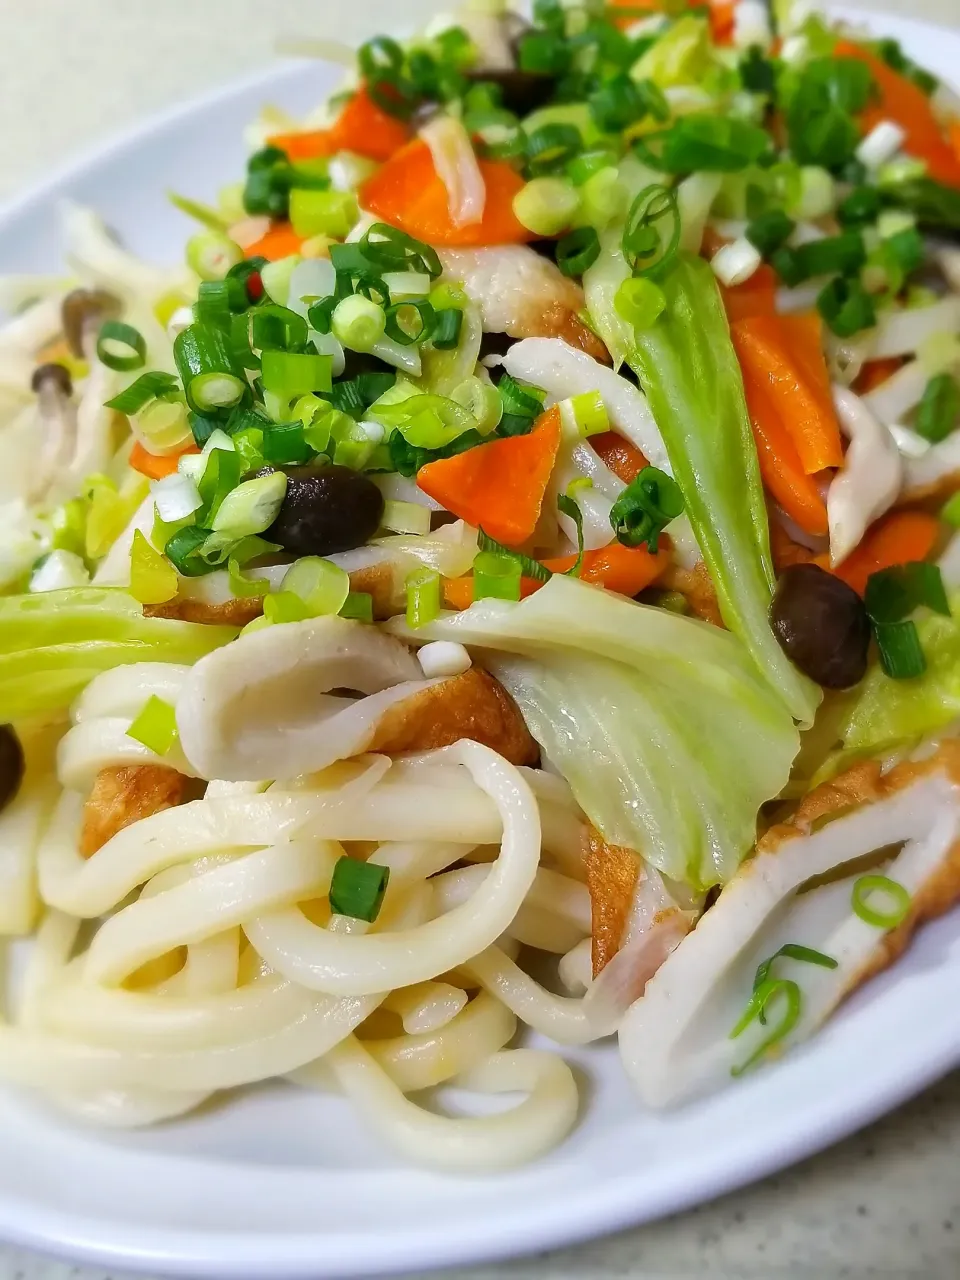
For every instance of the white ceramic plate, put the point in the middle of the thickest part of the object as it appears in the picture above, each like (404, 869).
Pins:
(279, 1183)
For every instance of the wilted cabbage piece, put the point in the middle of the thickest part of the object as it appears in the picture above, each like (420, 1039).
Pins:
(795, 905)
(668, 735)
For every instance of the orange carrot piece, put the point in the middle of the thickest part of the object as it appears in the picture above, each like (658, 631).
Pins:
(953, 136)
(361, 127)
(156, 465)
(903, 102)
(875, 373)
(626, 570)
(498, 486)
(622, 457)
(780, 466)
(279, 242)
(899, 537)
(721, 20)
(407, 192)
(755, 297)
(787, 358)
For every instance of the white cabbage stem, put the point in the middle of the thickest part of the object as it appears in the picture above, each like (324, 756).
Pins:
(870, 480)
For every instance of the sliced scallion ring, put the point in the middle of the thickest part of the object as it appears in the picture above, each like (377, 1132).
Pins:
(121, 347)
(770, 990)
(863, 890)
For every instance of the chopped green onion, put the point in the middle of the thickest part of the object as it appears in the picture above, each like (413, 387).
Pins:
(358, 323)
(210, 378)
(791, 951)
(646, 248)
(617, 103)
(645, 508)
(149, 386)
(322, 586)
(939, 410)
(822, 102)
(280, 607)
(846, 307)
(899, 898)
(156, 726)
(758, 1004)
(892, 594)
(845, 252)
(589, 413)
(520, 401)
(860, 207)
(199, 212)
(550, 147)
(392, 250)
(481, 400)
(546, 206)
(359, 606)
(211, 255)
(446, 334)
(423, 597)
(496, 577)
(291, 374)
(950, 511)
(901, 655)
(603, 199)
(400, 321)
(405, 517)
(242, 586)
(640, 301)
(356, 395)
(276, 328)
(769, 231)
(285, 444)
(221, 473)
(153, 580)
(584, 166)
(578, 251)
(529, 568)
(756, 72)
(121, 347)
(571, 510)
(407, 458)
(357, 889)
(217, 300)
(543, 52)
(323, 213)
(251, 507)
(705, 143)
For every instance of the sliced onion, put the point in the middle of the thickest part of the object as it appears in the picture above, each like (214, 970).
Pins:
(456, 164)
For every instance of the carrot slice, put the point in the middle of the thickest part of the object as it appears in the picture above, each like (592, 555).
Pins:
(156, 465)
(780, 467)
(407, 192)
(626, 570)
(279, 242)
(361, 127)
(622, 457)
(755, 297)
(875, 373)
(899, 537)
(786, 355)
(903, 102)
(498, 487)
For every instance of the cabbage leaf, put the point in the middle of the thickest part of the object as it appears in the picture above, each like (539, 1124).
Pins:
(668, 735)
(53, 643)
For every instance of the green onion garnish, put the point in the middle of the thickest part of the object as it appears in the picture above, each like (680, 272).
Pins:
(939, 411)
(588, 163)
(411, 322)
(646, 248)
(551, 146)
(205, 363)
(846, 307)
(544, 52)
(528, 567)
(321, 585)
(791, 951)
(571, 510)
(645, 508)
(496, 576)
(284, 445)
(762, 998)
(769, 231)
(756, 72)
(149, 386)
(221, 474)
(715, 144)
(358, 605)
(155, 726)
(423, 597)
(640, 301)
(860, 207)
(950, 511)
(901, 655)
(357, 889)
(242, 586)
(898, 897)
(891, 595)
(578, 251)
(153, 579)
(446, 333)
(385, 247)
(121, 347)
(322, 213)
(844, 253)
(276, 328)
(291, 374)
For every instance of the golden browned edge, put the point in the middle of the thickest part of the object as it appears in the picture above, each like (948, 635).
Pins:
(123, 795)
(559, 322)
(612, 874)
(473, 705)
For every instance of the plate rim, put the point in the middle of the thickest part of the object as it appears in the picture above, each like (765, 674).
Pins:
(96, 1240)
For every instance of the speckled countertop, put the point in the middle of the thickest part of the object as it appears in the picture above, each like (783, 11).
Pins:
(883, 1204)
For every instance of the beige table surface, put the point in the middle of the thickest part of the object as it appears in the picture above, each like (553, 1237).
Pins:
(883, 1204)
